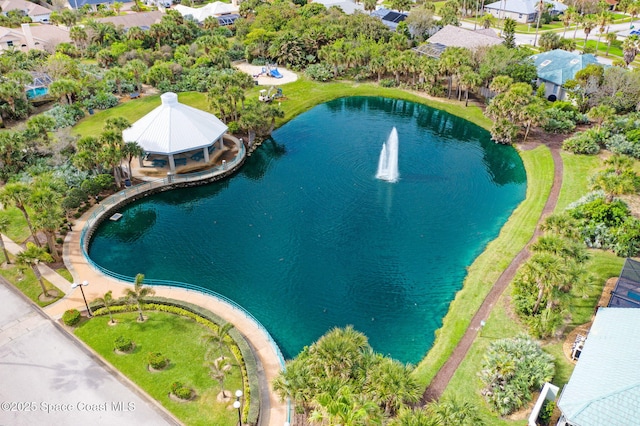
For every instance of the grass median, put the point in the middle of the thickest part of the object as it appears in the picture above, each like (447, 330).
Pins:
(181, 340)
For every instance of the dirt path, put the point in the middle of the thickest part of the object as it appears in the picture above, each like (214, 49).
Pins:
(444, 375)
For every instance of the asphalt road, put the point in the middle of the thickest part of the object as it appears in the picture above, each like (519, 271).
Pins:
(48, 378)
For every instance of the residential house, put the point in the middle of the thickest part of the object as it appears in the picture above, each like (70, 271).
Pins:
(556, 67)
(34, 36)
(452, 36)
(523, 11)
(34, 11)
(142, 20)
(604, 388)
(77, 4)
(390, 18)
(349, 7)
(215, 9)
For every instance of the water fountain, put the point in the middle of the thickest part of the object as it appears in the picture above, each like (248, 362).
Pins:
(388, 163)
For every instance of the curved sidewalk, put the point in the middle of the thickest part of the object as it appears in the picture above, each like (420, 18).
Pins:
(272, 411)
(441, 380)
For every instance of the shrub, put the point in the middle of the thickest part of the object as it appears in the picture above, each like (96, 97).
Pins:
(71, 317)
(234, 127)
(319, 72)
(620, 144)
(101, 100)
(157, 361)
(559, 120)
(91, 187)
(74, 199)
(581, 143)
(511, 368)
(388, 82)
(181, 391)
(65, 115)
(123, 344)
(105, 181)
(546, 412)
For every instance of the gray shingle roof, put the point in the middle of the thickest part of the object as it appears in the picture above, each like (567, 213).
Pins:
(451, 36)
(604, 388)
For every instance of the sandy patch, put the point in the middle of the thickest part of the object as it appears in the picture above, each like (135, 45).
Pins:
(263, 80)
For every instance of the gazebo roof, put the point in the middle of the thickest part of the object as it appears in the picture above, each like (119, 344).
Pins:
(173, 127)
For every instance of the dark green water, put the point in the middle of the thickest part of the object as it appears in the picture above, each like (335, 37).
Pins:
(305, 237)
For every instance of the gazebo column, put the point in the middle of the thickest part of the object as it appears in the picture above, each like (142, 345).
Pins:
(172, 164)
(220, 142)
(206, 154)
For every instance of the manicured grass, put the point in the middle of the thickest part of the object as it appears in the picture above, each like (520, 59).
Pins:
(486, 269)
(465, 384)
(575, 178)
(602, 265)
(304, 94)
(18, 230)
(300, 96)
(28, 284)
(64, 272)
(180, 340)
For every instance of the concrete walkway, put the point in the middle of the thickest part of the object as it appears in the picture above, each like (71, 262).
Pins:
(49, 378)
(273, 412)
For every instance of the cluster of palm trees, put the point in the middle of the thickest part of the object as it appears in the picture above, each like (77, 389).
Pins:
(340, 380)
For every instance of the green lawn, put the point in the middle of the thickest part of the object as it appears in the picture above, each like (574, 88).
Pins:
(300, 96)
(187, 362)
(28, 284)
(486, 269)
(64, 272)
(575, 178)
(18, 230)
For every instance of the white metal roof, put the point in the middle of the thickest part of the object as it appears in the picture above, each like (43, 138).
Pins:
(604, 388)
(216, 8)
(173, 127)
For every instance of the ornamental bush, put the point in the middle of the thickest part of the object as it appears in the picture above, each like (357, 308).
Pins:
(71, 317)
(511, 369)
(65, 115)
(319, 72)
(581, 143)
(181, 391)
(157, 361)
(101, 100)
(123, 344)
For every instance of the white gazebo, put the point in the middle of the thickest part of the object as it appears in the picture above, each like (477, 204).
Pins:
(174, 128)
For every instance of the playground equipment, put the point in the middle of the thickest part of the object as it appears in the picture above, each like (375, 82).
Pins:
(269, 95)
(269, 71)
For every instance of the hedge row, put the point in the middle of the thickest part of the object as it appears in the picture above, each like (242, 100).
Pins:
(241, 349)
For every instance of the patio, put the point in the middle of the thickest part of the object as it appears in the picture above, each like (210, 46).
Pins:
(154, 166)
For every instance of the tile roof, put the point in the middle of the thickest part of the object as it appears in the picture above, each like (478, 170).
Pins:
(452, 36)
(604, 388)
(140, 19)
(558, 66)
(525, 7)
(32, 9)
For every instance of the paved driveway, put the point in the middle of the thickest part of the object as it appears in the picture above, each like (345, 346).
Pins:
(46, 377)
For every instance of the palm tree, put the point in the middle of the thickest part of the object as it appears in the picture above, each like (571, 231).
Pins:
(567, 19)
(370, 5)
(604, 18)
(130, 150)
(541, 8)
(4, 227)
(10, 92)
(138, 294)
(610, 37)
(295, 383)
(137, 68)
(546, 270)
(588, 23)
(119, 76)
(31, 256)
(107, 301)
(599, 114)
(451, 411)
(630, 48)
(18, 194)
(469, 80)
(393, 385)
(218, 336)
(219, 368)
(65, 89)
(48, 215)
